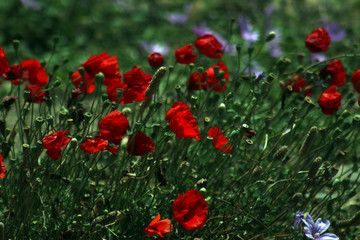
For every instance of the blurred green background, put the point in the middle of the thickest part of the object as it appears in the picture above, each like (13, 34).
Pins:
(121, 27)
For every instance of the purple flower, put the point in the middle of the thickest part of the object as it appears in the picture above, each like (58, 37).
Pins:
(269, 10)
(246, 30)
(315, 230)
(298, 217)
(255, 69)
(177, 17)
(33, 4)
(155, 47)
(335, 31)
(317, 56)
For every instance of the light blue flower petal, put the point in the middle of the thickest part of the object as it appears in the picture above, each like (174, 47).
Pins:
(321, 227)
(328, 236)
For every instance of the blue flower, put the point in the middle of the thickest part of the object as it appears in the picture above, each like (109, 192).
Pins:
(246, 30)
(298, 217)
(315, 230)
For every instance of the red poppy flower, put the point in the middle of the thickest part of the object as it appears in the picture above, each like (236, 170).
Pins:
(34, 73)
(337, 72)
(2, 167)
(355, 79)
(219, 140)
(113, 127)
(186, 54)
(94, 65)
(318, 41)
(54, 143)
(155, 59)
(182, 122)
(330, 101)
(35, 94)
(13, 74)
(190, 210)
(158, 227)
(299, 85)
(140, 144)
(134, 86)
(209, 45)
(4, 65)
(208, 79)
(97, 144)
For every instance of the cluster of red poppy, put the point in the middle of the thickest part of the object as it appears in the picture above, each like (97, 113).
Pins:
(330, 100)
(189, 210)
(28, 71)
(2, 167)
(113, 128)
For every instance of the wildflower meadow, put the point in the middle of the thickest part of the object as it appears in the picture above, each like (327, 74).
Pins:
(187, 120)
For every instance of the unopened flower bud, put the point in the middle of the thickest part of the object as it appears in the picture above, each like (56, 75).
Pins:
(238, 48)
(309, 139)
(57, 83)
(281, 153)
(221, 108)
(16, 44)
(73, 143)
(271, 35)
(315, 167)
(26, 94)
(297, 197)
(99, 79)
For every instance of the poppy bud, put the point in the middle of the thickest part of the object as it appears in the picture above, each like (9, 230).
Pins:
(221, 108)
(99, 79)
(82, 72)
(16, 44)
(315, 167)
(271, 35)
(250, 50)
(238, 49)
(301, 58)
(307, 144)
(57, 83)
(336, 133)
(2, 230)
(127, 112)
(62, 115)
(297, 197)
(73, 143)
(270, 77)
(356, 121)
(193, 100)
(155, 60)
(281, 153)
(70, 122)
